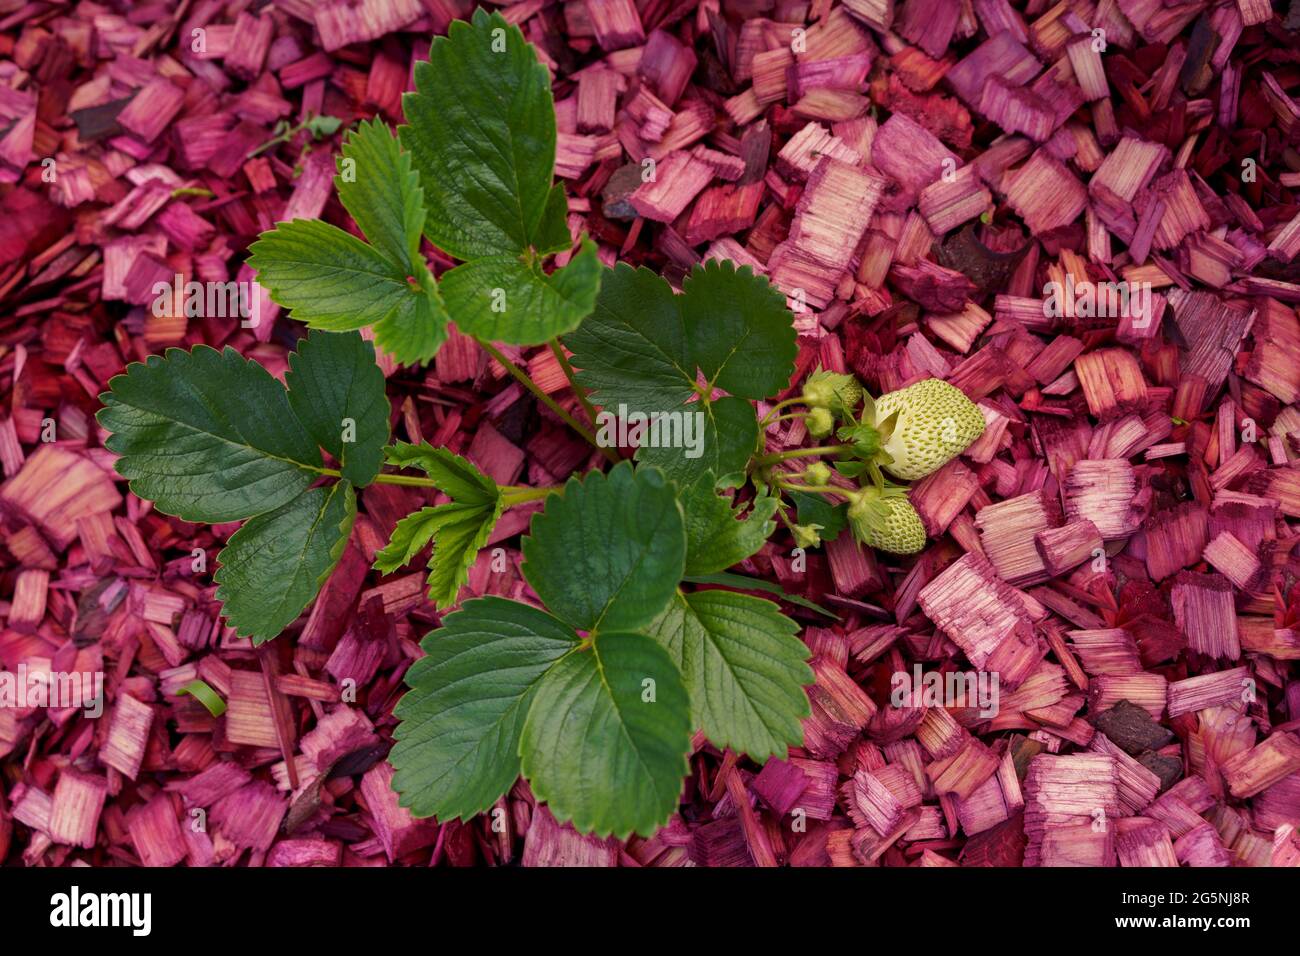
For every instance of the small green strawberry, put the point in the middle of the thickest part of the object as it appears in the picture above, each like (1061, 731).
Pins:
(817, 474)
(915, 430)
(885, 519)
(806, 535)
(820, 422)
(835, 391)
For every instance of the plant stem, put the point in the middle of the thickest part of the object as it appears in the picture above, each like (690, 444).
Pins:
(816, 490)
(558, 351)
(519, 496)
(797, 400)
(410, 481)
(784, 418)
(522, 377)
(801, 453)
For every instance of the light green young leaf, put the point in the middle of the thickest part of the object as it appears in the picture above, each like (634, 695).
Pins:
(455, 546)
(207, 435)
(337, 392)
(482, 134)
(332, 280)
(609, 553)
(457, 746)
(458, 530)
(452, 474)
(607, 735)
(504, 299)
(275, 564)
(744, 668)
(715, 538)
(377, 185)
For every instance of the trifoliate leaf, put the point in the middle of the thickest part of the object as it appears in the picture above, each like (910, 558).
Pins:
(378, 187)
(274, 565)
(457, 746)
(744, 669)
(458, 530)
(645, 348)
(715, 538)
(815, 509)
(452, 474)
(740, 332)
(504, 299)
(609, 553)
(607, 735)
(482, 135)
(207, 435)
(332, 280)
(337, 392)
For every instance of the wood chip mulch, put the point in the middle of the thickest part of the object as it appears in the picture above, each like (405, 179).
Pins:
(1117, 546)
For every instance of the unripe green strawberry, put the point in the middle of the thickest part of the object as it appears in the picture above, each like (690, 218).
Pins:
(819, 422)
(886, 520)
(818, 473)
(836, 391)
(936, 423)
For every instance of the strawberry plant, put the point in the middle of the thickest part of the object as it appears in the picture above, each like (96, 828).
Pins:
(639, 635)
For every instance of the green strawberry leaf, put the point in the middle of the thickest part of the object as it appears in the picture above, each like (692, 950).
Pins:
(458, 530)
(504, 299)
(815, 509)
(457, 747)
(337, 392)
(740, 582)
(607, 554)
(451, 474)
(274, 565)
(414, 333)
(377, 185)
(645, 350)
(607, 736)
(740, 333)
(482, 134)
(333, 281)
(207, 435)
(632, 349)
(744, 668)
(716, 536)
(728, 436)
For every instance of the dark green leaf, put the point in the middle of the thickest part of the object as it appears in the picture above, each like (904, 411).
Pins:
(632, 349)
(337, 392)
(457, 745)
(729, 438)
(609, 553)
(740, 332)
(715, 539)
(504, 299)
(273, 566)
(744, 668)
(207, 436)
(482, 134)
(378, 187)
(815, 509)
(607, 735)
